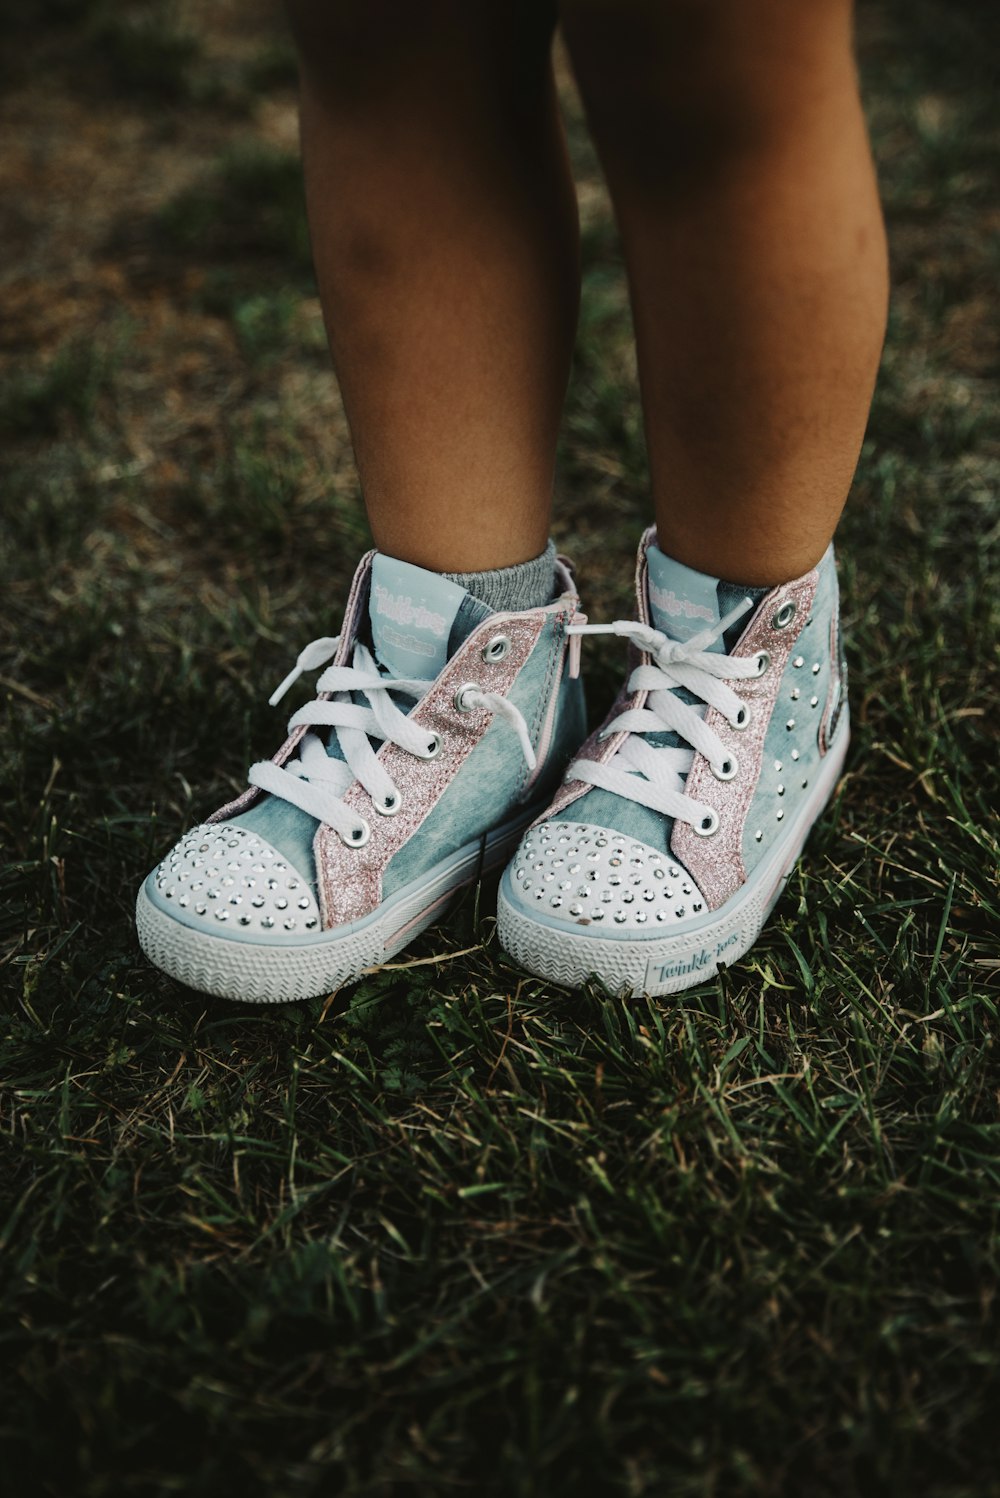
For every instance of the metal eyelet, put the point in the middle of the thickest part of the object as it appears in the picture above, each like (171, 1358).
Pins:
(763, 662)
(461, 705)
(496, 649)
(727, 769)
(390, 806)
(707, 825)
(785, 614)
(357, 837)
(742, 718)
(433, 747)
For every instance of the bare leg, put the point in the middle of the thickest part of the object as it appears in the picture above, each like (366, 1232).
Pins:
(735, 149)
(445, 239)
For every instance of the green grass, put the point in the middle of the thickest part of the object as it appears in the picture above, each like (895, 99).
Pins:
(455, 1230)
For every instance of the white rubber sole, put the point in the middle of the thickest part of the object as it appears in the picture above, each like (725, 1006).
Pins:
(666, 965)
(256, 973)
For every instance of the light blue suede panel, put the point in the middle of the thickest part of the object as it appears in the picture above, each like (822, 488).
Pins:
(795, 777)
(489, 787)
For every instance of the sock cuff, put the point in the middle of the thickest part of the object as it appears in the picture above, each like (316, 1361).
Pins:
(526, 585)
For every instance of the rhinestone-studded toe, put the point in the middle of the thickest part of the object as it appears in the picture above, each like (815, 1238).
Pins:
(227, 878)
(591, 876)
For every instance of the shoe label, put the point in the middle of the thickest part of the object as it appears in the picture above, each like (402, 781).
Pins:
(412, 612)
(682, 602)
(691, 962)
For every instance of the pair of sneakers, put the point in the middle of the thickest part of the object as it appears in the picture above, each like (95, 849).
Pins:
(445, 740)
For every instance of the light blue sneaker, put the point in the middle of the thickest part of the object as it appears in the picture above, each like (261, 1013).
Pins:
(680, 820)
(438, 733)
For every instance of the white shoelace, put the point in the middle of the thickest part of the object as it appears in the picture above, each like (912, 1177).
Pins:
(315, 781)
(655, 776)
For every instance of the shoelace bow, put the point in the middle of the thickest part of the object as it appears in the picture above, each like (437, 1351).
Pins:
(654, 775)
(315, 781)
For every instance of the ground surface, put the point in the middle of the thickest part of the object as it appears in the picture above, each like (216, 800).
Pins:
(454, 1229)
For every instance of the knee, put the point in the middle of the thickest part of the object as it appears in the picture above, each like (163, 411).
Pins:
(345, 46)
(711, 73)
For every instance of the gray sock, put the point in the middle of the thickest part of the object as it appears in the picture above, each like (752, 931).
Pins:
(527, 585)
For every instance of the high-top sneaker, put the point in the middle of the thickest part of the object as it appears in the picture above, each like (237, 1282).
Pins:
(680, 819)
(438, 732)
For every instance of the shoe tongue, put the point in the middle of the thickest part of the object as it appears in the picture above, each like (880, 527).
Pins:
(682, 602)
(412, 612)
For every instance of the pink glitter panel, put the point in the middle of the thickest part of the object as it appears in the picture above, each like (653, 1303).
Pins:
(350, 879)
(595, 748)
(716, 862)
(357, 598)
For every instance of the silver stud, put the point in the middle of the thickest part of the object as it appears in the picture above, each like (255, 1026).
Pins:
(798, 661)
(757, 836)
(576, 910)
(257, 902)
(244, 920)
(597, 915)
(640, 916)
(813, 701)
(619, 917)
(779, 815)
(200, 909)
(267, 921)
(290, 923)
(304, 903)
(310, 923)
(790, 724)
(183, 902)
(213, 894)
(795, 754)
(236, 899)
(659, 874)
(795, 694)
(222, 915)
(805, 785)
(661, 915)
(679, 911)
(781, 790)
(696, 906)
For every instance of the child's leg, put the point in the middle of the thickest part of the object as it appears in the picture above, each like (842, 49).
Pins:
(445, 238)
(734, 144)
(735, 151)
